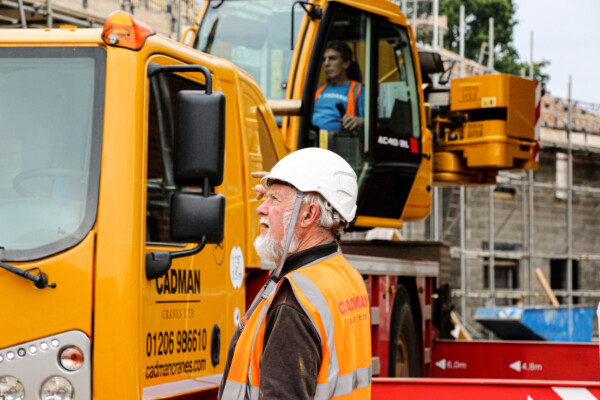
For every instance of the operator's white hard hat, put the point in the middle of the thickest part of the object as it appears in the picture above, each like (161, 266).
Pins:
(318, 170)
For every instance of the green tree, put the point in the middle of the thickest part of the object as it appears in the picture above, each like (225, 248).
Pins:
(477, 16)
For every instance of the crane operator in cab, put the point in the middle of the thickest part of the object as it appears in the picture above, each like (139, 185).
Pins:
(339, 103)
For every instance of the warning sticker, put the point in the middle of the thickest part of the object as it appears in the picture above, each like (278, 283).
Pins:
(236, 267)
(487, 102)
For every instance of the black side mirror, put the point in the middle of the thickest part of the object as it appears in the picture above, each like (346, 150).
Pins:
(199, 148)
(431, 63)
(194, 217)
(199, 154)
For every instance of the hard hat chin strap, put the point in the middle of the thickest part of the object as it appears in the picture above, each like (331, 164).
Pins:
(271, 284)
(290, 232)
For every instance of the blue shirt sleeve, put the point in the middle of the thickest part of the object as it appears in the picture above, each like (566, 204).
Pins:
(326, 115)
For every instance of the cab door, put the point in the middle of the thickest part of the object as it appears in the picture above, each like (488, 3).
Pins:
(387, 151)
(187, 314)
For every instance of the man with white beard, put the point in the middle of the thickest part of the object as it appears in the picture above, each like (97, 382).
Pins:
(306, 335)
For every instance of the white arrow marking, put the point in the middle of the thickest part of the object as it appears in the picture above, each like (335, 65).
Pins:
(441, 363)
(516, 366)
(573, 393)
(529, 397)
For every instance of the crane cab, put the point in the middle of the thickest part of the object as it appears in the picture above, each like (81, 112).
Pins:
(283, 44)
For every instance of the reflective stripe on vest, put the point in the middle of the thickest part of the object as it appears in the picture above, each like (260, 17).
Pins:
(336, 384)
(346, 384)
(353, 95)
(353, 376)
(240, 371)
(352, 107)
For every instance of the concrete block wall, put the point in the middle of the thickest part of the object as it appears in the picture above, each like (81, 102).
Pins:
(550, 227)
(549, 231)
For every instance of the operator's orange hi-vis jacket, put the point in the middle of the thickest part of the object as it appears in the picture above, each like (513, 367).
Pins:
(334, 296)
(353, 95)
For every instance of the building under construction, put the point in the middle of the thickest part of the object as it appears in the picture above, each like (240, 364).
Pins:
(544, 224)
(546, 220)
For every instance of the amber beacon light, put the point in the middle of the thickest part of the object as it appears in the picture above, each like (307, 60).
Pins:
(124, 30)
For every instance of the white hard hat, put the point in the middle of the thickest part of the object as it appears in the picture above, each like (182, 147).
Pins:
(318, 170)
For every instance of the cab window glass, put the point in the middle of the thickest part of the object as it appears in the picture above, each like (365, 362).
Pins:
(255, 36)
(394, 148)
(50, 147)
(398, 124)
(160, 183)
(340, 101)
(365, 106)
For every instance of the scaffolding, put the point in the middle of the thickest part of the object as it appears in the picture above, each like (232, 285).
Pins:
(92, 14)
(570, 130)
(449, 221)
(591, 124)
(528, 253)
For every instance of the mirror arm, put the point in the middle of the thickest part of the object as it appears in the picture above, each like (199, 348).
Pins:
(154, 69)
(206, 187)
(190, 252)
(314, 13)
(158, 263)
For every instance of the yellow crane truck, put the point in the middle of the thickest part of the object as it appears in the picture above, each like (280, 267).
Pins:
(126, 210)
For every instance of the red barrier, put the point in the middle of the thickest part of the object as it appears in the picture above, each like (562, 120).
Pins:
(515, 360)
(479, 389)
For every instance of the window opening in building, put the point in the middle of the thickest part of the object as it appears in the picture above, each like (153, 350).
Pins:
(558, 278)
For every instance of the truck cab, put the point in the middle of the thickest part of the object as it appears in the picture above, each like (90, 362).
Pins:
(125, 208)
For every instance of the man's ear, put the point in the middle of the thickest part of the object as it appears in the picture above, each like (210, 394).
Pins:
(309, 215)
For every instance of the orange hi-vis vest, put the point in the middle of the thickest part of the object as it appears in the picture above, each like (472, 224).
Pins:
(353, 95)
(334, 296)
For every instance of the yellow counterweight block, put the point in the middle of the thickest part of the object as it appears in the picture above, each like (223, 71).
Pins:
(490, 127)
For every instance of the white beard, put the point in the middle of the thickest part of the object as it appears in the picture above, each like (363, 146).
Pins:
(271, 249)
(268, 248)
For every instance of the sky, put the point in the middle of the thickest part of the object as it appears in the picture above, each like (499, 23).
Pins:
(566, 33)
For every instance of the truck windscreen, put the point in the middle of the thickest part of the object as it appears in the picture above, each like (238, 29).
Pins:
(255, 36)
(51, 113)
